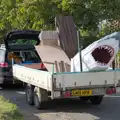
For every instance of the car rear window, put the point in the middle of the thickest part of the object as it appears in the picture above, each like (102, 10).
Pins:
(22, 41)
(31, 56)
(24, 57)
(2, 55)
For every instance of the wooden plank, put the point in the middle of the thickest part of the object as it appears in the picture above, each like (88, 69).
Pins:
(67, 34)
(50, 54)
(56, 66)
(62, 66)
(67, 67)
(48, 62)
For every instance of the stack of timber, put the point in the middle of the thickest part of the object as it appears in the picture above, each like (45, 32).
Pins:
(58, 47)
(51, 53)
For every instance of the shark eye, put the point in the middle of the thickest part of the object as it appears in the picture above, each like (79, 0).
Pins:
(103, 54)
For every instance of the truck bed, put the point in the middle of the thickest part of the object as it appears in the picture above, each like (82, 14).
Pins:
(32, 76)
(84, 79)
(56, 81)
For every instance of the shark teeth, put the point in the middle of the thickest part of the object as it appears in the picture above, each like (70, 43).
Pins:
(101, 64)
(108, 48)
(110, 51)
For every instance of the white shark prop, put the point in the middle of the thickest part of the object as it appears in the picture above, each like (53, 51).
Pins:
(98, 55)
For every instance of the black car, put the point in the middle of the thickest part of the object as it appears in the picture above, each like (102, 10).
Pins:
(17, 45)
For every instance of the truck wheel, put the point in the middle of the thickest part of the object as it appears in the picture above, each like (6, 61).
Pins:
(40, 98)
(30, 94)
(96, 100)
(85, 99)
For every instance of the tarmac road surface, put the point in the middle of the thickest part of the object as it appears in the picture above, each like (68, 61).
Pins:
(71, 109)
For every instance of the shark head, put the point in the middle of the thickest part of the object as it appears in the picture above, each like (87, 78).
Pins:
(100, 54)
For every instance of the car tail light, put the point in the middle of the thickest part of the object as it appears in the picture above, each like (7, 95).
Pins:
(111, 90)
(67, 94)
(4, 64)
(42, 66)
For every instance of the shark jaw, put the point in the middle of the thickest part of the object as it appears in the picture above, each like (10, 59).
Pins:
(97, 56)
(103, 54)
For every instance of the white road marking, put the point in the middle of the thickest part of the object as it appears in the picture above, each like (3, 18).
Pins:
(112, 96)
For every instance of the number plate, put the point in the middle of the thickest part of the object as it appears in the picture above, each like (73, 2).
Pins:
(81, 92)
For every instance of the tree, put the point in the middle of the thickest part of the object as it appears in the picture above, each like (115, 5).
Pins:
(40, 14)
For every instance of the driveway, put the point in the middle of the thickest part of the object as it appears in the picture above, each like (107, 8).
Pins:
(66, 109)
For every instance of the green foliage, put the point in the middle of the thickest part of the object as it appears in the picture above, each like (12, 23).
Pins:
(23, 41)
(9, 111)
(40, 14)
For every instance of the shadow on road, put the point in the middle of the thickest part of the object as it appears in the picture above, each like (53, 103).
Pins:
(70, 109)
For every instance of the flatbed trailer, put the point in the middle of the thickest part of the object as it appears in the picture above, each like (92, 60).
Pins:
(42, 85)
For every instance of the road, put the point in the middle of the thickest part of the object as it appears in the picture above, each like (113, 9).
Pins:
(68, 109)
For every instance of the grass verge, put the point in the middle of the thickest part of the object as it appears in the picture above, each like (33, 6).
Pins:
(9, 111)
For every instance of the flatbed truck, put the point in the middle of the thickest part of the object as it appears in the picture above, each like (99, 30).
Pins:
(43, 85)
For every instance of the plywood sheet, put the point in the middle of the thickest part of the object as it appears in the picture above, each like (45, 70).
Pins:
(50, 54)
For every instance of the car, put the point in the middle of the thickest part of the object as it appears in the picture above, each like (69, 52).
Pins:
(18, 48)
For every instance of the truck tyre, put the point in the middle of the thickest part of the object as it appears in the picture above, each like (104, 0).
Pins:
(30, 94)
(85, 99)
(96, 100)
(40, 98)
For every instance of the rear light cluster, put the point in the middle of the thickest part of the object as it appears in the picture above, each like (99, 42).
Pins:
(67, 94)
(42, 66)
(111, 90)
(2, 65)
